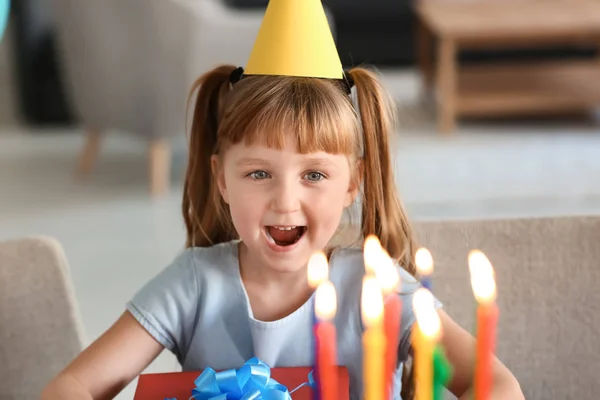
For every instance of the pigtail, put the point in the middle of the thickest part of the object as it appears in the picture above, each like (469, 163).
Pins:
(382, 212)
(204, 212)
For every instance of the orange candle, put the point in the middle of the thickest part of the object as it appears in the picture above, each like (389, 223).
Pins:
(374, 341)
(484, 289)
(325, 309)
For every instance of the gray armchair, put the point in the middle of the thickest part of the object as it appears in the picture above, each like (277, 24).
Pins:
(129, 64)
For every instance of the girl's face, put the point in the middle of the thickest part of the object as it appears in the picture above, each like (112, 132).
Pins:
(284, 205)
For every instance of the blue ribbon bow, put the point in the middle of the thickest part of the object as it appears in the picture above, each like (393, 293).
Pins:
(251, 382)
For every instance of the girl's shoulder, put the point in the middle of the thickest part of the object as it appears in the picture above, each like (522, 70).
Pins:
(169, 303)
(218, 259)
(226, 251)
(197, 265)
(346, 260)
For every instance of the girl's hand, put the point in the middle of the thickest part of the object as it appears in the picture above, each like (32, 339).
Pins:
(110, 363)
(459, 346)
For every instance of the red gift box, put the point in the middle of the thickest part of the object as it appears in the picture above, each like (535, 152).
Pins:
(180, 384)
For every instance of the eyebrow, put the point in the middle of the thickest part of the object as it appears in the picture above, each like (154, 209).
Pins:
(318, 161)
(251, 161)
(259, 161)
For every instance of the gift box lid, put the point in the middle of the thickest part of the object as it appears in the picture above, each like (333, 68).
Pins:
(179, 385)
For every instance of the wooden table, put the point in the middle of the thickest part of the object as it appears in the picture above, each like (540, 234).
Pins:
(447, 27)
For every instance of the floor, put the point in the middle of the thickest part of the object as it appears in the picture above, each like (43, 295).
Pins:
(116, 237)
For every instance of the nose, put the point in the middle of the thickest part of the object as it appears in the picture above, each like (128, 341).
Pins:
(285, 198)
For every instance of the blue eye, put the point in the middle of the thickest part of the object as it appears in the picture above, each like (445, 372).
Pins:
(259, 175)
(314, 176)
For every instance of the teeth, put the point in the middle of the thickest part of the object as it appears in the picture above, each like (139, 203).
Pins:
(285, 228)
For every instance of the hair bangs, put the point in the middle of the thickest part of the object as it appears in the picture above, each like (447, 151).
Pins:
(314, 113)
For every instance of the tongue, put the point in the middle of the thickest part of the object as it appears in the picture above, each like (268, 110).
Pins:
(283, 237)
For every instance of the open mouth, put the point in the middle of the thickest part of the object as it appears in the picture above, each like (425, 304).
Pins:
(284, 235)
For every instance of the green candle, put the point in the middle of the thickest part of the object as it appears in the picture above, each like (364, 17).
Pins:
(442, 371)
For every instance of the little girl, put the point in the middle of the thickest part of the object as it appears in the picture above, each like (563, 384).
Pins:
(274, 161)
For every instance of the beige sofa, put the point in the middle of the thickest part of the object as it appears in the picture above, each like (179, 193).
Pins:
(548, 278)
(548, 272)
(40, 324)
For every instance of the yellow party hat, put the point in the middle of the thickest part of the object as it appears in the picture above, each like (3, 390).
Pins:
(295, 40)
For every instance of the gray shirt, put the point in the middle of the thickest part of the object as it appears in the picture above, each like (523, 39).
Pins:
(198, 308)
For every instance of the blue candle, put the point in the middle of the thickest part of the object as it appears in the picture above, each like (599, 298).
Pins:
(426, 282)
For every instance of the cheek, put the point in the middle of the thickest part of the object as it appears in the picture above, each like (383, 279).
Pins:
(245, 204)
(243, 193)
(330, 202)
(244, 215)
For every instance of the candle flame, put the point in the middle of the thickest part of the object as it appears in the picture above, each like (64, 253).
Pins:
(371, 301)
(428, 319)
(318, 269)
(424, 261)
(482, 277)
(325, 301)
(379, 263)
(371, 253)
(387, 274)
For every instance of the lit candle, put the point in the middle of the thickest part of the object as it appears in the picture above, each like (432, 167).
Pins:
(393, 311)
(389, 280)
(424, 263)
(484, 289)
(317, 271)
(373, 339)
(325, 309)
(425, 334)
(442, 371)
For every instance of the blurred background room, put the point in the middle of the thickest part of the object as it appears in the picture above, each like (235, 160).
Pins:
(496, 118)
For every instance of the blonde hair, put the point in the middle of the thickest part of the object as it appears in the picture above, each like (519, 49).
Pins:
(320, 116)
